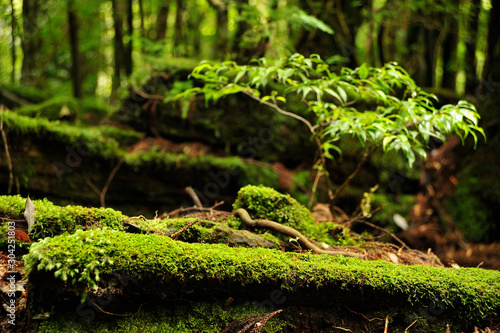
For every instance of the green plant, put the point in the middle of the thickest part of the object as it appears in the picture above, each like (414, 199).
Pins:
(381, 107)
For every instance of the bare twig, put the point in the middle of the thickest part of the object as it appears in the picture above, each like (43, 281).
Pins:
(102, 194)
(406, 330)
(368, 151)
(117, 314)
(7, 154)
(386, 328)
(386, 231)
(194, 196)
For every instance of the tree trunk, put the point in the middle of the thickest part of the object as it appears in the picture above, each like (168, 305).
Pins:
(491, 71)
(222, 32)
(470, 45)
(130, 32)
(179, 46)
(141, 15)
(119, 51)
(13, 25)
(76, 59)
(30, 42)
(161, 22)
(449, 45)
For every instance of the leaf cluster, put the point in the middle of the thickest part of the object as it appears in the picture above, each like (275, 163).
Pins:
(381, 107)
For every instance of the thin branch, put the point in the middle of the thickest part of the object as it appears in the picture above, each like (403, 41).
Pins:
(368, 151)
(102, 194)
(117, 314)
(175, 235)
(384, 230)
(194, 196)
(109, 180)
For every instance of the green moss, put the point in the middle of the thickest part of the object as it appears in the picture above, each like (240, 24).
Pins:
(198, 317)
(101, 140)
(51, 220)
(266, 203)
(86, 258)
(30, 94)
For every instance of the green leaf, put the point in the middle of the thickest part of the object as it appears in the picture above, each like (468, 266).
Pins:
(363, 71)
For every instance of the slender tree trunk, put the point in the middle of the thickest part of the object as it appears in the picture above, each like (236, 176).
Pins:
(119, 51)
(449, 45)
(161, 22)
(30, 42)
(76, 59)
(141, 16)
(222, 32)
(13, 25)
(179, 45)
(130, 33)
(470, 48)
(490, 83)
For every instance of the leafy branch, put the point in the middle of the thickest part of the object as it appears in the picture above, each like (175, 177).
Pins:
(381, 107)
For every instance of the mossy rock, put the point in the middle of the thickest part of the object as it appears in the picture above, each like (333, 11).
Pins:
(160, 265)
(263, 202)
(266, 203)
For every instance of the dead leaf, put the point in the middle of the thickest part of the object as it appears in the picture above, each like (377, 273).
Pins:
(29, 213)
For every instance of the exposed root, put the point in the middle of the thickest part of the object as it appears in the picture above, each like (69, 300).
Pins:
(288, 231)
(251, 324)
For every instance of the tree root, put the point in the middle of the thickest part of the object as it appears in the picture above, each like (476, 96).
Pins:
(288, 231)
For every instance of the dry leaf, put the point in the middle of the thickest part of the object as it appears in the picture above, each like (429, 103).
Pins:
(29, 213)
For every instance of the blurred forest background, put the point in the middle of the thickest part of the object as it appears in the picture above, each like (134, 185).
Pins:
(91, 84)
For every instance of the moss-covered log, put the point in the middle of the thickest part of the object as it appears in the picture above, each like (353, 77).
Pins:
(159, 265)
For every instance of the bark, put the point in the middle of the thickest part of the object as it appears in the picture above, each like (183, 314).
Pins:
(76, 59)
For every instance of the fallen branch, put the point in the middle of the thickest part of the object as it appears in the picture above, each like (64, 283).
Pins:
(288, 231)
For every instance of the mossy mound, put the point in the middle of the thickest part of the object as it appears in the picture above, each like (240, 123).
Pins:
(52, 220)
(162, 265)
(266, 203)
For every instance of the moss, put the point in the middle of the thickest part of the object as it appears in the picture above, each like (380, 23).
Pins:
(199, 317)
(101, 140)
(266, 203)
(30, 94)
(51, 220)
(86, 258)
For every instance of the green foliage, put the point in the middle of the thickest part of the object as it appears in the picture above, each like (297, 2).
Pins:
(381, 107)
(86, 258)
(52, 220)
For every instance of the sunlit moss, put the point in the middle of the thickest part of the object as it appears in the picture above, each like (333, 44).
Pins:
(87, 258)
